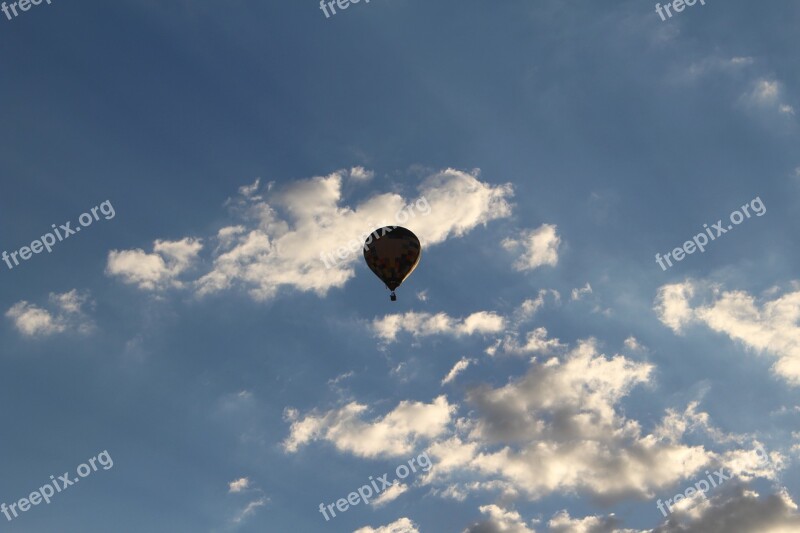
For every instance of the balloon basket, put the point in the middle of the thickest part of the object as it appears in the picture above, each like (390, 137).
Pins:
(393, 297)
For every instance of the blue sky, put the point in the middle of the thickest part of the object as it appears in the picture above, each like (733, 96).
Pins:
(556, 377)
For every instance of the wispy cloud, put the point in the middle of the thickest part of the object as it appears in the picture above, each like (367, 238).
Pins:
(250, 509)
(389, 495)
(456, 370)
(577, 294)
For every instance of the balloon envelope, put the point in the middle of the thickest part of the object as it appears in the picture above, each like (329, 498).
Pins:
(392, 253)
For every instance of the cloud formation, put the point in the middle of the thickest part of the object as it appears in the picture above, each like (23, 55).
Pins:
(402, 525)
(459, 367)
(157, 270)
(66, 314)
(767, 93)
(536, 342)
(500, 521)
(393, 435)
(577, 294)
(739, 510)
(427, 324)
(539, 247)
(561, 522)
(390, 494)
(743, 511)
(249, 510)
(558, 429)
(279, 236)
(762, 325)
(238, 485)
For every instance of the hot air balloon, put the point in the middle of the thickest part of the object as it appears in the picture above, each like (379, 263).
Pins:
(392, 253)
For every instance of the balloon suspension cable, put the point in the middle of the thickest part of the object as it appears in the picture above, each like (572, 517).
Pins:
(393, 297)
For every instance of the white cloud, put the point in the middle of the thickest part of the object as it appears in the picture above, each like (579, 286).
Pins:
(361, 174)
(157, 270)
(227, 236)
(562, 522)
(402, 525)
(456, 370)
(558, 429)
(712, 64)
(633, 344)
(741, 61)
(390, 494)
(768, 94)
(395, 434)
(250, 509)
(65, 314)
(536, 342)
(529, 307)
(459, 202)
(236, 402)
(540, 247)
(71, 302)
(341, 377)
(675, 425)
(239, 485)
(771, 327)
(761, 93)
(672, 304)
(427, 324)
(249, 191)
(285, 234)
(766, 91)
(577, 294)
(500, 521)
(583, 382)
(31, 320)
(736, 511)
(277, 242)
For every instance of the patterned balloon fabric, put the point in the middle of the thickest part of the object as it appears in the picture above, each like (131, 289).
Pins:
(392, 253)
